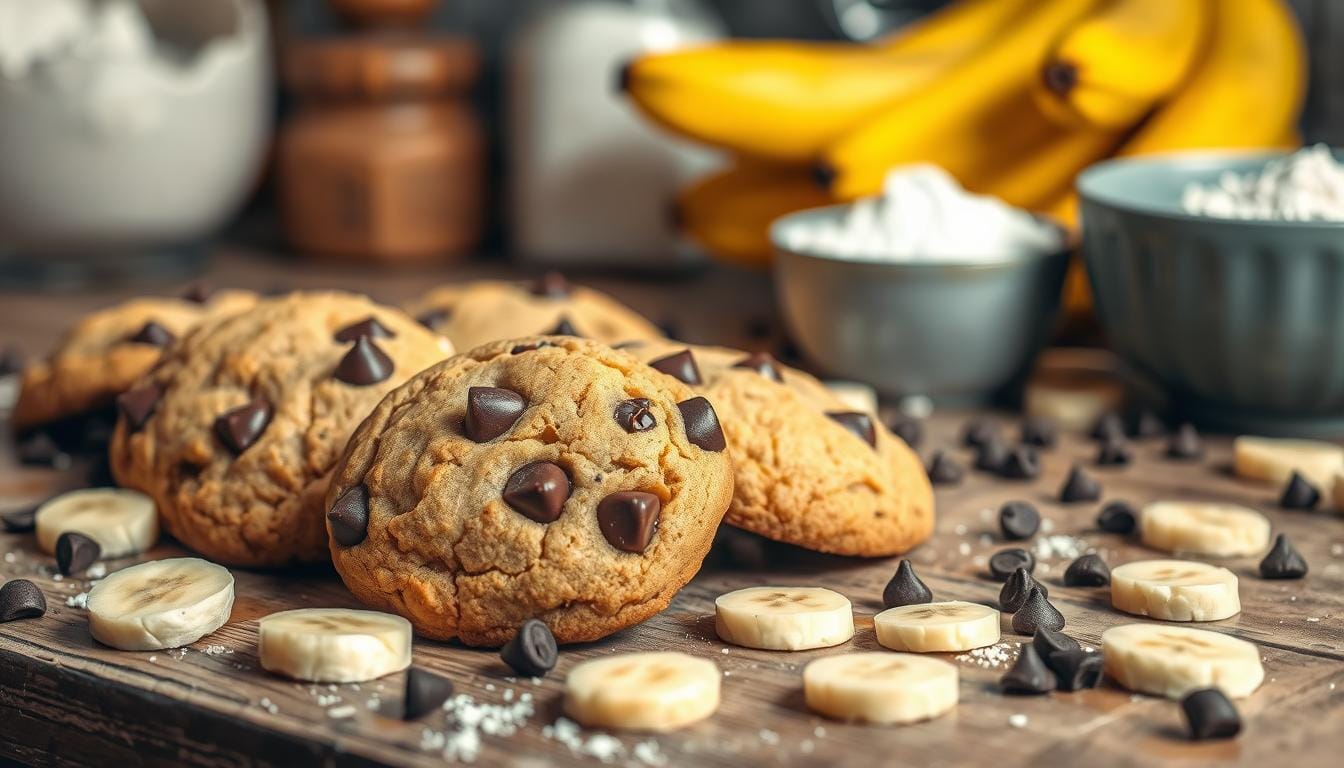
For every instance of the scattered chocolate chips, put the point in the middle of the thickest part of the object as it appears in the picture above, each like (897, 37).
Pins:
(491, 411)
(197, 293)
(1028, 675)
(21, 599)
(434, 318)
(39, 449)
(1039, 431)
(425, 692)
(538, 491)
(1019, 520)
(1117, 517)
(551, 285)
(1087, 571)
(137, 405)
(905, 588)
(529, 347)
(634, 415)
(1114, 452)
(1005, 561)
(1079, 486)
(19, 520)
(702, 424)
(629, 519)
(1283, 561)
(944, 470)
(364, 364)
(1209, 714)
(349, 516)
(909, 429)
(1147, 425)
(858, 422)
(762, 363)
(1076, 670)
(1110, 425)
(532, 651)
(978, 431)
(1022, 464)
(369, 326)
(680, 366)
(75, 552)
(11, 361)
(1036, 613)
(1048, 642)
(1185, 443)
(153, 334)
(1299, 493)
(1016, 590)
(564, 328)
(239, 428)
(991, 455)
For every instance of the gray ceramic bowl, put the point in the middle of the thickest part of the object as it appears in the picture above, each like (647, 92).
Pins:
(1241, 322)
(956, 332)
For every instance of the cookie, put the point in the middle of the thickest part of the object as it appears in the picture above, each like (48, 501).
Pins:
(236, 431)
(107, 351)
(554, 478)
(472, 314)
(811, 471)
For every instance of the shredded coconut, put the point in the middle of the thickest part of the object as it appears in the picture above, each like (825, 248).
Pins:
(468, 719)
(78, 601)
(1307, 185)
(1018, 720)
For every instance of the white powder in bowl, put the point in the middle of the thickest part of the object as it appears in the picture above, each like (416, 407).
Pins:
(1307, 185)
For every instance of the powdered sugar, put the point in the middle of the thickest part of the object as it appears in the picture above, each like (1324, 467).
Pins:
(1307, 185)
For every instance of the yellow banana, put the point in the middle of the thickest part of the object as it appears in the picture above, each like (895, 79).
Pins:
(1247, 90)
(1114, 66)
(729, 213)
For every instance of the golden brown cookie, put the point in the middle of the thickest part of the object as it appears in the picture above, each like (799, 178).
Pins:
(552, 478)
(810, 470)
(107, 351)
(472, 314)
(235, 433)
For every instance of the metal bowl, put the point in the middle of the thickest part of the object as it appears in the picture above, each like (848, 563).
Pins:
(958, 332)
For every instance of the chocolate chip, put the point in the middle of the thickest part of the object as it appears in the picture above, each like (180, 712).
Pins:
(629, 519)
(634, 415)
(1110, 425)
(1021, 464)
(349, 516)
(39, 449)
(680, 366)
(1283, 561)
(1114, 452)
(424, 693)
(239, 428)
(1079, 486)
(521, 348)
(1087, 571)
(1147, 425)
(532, 651)
(905, 588)
(991, 455)
(1117, 517)
(21, 599)
(1028, 675)
(369, 326)
(1016, 590)
(433, 318)
(551, 285)
(564, 328)
(197, 293)
(364, 364)
(1299, 493)
(909, 429)
(153, 334)
(137, 405)
(1209, 714)
(1036, 613)
(75, 552)
(858, 422)
(944, 470)
(762, 363)
(978, 431)
(702, 424)
(1185, 443)
(1039, 431)
(1005, 561)
(1048, 642)
(491, 411)
(19, 520)
(1019, 520)
(538, 491)
(11, 361)
(1076, 670)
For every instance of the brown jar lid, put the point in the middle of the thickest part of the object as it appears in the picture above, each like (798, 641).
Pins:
(381, 65)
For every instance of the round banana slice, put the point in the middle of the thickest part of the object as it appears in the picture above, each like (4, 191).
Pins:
(334, 645)
(660, 691)
(1173, 661)
(123, 522)
(784, 618)
(1175, 590)
(879, 687)
(950, 626)
(160, 604)
(1221, 530)
(1274, 460)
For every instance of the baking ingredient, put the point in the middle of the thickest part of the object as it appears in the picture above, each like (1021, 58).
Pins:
(75, 552)
(1273, 460)
(1283, 561)
(333, 645)
(1210, 715)
(532, 650)
(1114, 452)
(1299, 493)
(978, 431)
(1003, 563)
(1019, 520)
(1047, 642)
(1079, 486)
(1117, 517)
(160, 604)
(783, 618)
(424, 693)
(1110, 426)
(880, 687)
(946, 626)
(905, 588)
(944, 470)
(908, 428)
(1022, 463)
(1307, 185)
(991, 454)
(1037, 613)
(1076, 670)
(1172, 661)
(1017, 589)
(1185, 443)
(1175, 590)
(1039, 431)
(1087, 571)
(1221, 530)
(21, 599)
(658, 691)
(1028, 675)
(122, 521)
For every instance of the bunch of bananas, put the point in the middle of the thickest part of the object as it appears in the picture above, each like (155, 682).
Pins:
(1013, 97)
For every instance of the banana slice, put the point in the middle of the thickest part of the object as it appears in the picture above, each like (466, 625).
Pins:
(1175, 590)
(784, 618)
(660, 691)
(1221, 530)
(1173, 661)
(1274, 460)
(334, 645)
(949, 626)
(878, 687)
(160, 604)
(123, 522)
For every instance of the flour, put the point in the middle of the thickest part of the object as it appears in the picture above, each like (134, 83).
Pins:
(1307, 185)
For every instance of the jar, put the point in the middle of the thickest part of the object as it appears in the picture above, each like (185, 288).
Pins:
(383, 159)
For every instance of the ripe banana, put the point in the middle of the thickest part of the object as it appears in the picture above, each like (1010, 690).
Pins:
(1114, 66)
(123, 522)
(729, 213)
(949, 626)
(783, 618)
(1175, 590)
(334, 645)
(160, 604)
(879, 687)
(1221, 530)
(660, 691)
(1274, 460)
(1173, 661)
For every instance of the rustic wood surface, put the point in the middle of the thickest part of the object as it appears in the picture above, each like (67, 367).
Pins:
(65, 700)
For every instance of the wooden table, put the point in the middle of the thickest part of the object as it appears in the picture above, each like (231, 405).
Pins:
(66, 700)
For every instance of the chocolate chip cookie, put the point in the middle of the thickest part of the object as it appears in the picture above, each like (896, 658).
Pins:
(105, 352)
(236, 431)
(811, 471)
(550, 478)
(471, 314)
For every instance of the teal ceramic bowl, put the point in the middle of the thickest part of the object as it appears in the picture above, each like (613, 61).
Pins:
(1241, 322)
